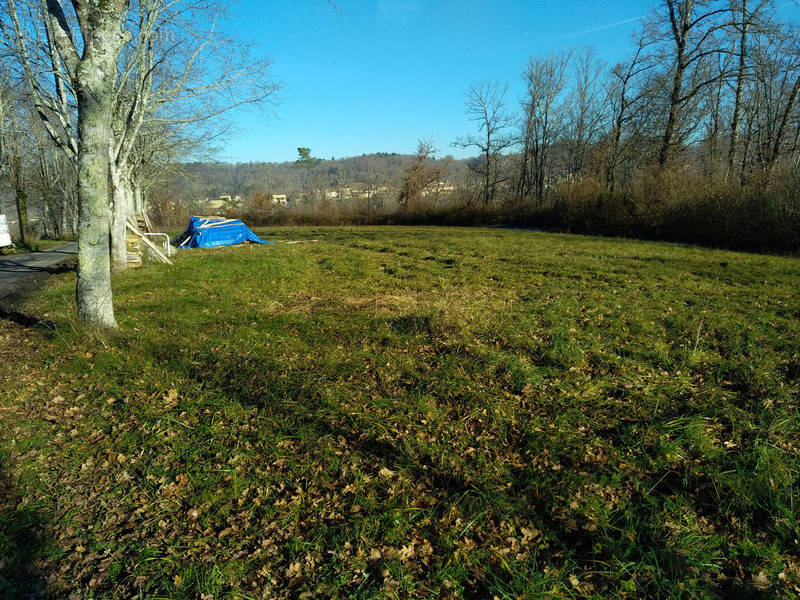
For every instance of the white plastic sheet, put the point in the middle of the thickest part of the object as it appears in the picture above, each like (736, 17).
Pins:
(5, 236)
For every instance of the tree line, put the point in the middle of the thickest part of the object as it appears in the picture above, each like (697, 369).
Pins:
(708, 83)
(189, 187)
(97, 102)
(702, 116)
(694, 137)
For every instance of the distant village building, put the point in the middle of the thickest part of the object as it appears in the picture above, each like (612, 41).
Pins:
(439, 188)
(222, 203)
(279, 200)
(215, 205)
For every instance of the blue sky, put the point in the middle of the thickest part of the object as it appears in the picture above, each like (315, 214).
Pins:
(377, 75)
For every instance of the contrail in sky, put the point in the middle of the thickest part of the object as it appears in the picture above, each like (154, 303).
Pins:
(596, 29)
(626, 21)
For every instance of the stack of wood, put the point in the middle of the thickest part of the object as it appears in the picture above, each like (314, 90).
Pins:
(135, 252)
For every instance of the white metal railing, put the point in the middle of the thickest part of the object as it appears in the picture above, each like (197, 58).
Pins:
(167, 245)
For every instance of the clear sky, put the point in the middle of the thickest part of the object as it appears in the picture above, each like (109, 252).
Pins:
(377, 75)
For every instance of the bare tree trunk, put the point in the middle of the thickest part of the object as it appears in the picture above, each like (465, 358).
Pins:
(674, 108)
(93, 74)
(611, 176)
(611, 172)
(523, 174)
(95, 95)
(736, 123)
(138, 196)
(713, 142)
(46, 217)
(489, 165)
(20, 196)
(120, 202)
(48, 209)
(796, 140)
(627, 75)
(779, 134)
(485, 105)
(696, 39)
(64, 223)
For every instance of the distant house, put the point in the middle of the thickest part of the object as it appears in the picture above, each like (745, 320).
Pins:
(279, 200)
(215, 205)
(223, 202)
(439, 188)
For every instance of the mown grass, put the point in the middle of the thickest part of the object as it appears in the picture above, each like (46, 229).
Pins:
(401, 412)
(42, 245)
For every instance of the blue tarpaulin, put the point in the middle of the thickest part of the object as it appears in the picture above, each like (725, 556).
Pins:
(210, 233)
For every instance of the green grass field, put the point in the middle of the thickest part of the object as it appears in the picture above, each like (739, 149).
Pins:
(410, 413)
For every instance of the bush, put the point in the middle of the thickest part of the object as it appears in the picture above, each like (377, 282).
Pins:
(685, 207)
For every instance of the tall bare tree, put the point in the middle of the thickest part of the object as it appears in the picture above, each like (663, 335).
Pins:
(419, 175)
(546, 80)
(93, 76)
(585, 109)
(787, 95)
(693, 30)
(179, 71)
(745, 17)
(485, 105)
(13, 152)
(770, 100)
(627, 94)
(712, 105)
(67, 54)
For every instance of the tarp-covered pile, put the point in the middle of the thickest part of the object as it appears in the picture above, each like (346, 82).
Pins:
(210, 233)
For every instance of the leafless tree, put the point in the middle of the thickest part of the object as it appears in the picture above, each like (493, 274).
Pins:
(586, 110)
(421, 174)
(745, 18)
(69, 56)
(14, 151)
(627, 94)
(92, 75)
(711, 102)
(546, 81)
(485, 105)
(175, 74)
(693, 30)
(777, 73)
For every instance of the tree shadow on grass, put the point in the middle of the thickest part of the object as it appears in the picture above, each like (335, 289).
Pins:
(22, 289)
(292, 398)
(27, 320)
(71, 266)
(22, 540)
(8, 266)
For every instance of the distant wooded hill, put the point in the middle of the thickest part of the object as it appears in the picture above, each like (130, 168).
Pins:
(200, 180)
